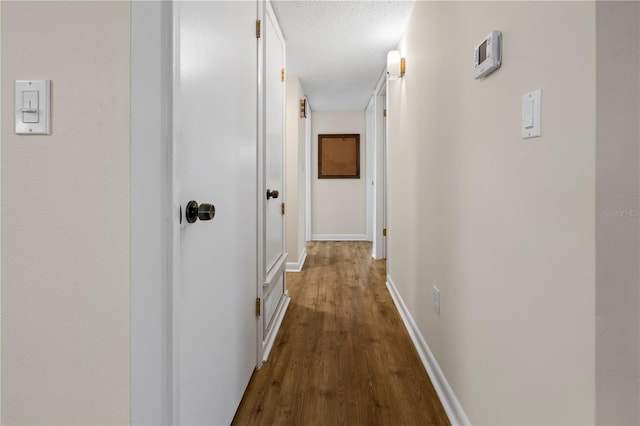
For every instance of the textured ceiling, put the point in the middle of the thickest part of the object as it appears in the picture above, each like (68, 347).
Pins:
(338, 49)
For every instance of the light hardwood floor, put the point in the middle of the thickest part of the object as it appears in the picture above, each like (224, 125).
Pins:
(342, 355)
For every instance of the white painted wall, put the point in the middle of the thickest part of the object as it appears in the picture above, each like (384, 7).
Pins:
(296, 169)
(338, 205)
(65, 217)
(617, 194)
(504, 227)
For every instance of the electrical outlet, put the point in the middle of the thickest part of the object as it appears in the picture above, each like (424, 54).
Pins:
(436, 300)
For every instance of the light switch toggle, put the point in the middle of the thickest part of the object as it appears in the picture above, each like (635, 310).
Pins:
(531, 107)
(30, 106)
(528, 114)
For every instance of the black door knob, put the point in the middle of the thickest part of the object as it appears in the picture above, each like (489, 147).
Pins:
(202, 211)
(272, 194)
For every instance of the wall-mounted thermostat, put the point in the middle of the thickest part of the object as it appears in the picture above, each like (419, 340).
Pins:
(487, 56)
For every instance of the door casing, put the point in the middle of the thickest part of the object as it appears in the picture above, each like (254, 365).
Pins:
(151, 234)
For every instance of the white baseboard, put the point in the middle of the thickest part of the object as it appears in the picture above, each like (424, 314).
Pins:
(297, 266)
(339, 237)
(447, 397)
(279, 315)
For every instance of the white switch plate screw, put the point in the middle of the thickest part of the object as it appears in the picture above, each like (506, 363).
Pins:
(436, 300)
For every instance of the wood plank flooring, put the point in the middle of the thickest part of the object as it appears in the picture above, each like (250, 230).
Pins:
(342, 355)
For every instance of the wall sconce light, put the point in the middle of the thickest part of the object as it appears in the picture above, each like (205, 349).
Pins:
(395, 65)
(303, 108)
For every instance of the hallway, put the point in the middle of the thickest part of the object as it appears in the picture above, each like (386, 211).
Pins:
(343, 355)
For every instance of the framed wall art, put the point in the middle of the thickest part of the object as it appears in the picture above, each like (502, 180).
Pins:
(339, 156)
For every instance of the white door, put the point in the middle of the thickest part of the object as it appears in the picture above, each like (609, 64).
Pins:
(274, 138)
(274, 294)
(215, 161)
(386, 180)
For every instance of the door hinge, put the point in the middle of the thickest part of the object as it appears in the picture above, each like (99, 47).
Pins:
(258, 307)
(385, 113)
(258, 28)
(283, 209)
(282, 75)
(384, 232)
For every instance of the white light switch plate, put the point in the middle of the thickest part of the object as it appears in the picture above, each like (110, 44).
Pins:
(531, 108)
(33, 107)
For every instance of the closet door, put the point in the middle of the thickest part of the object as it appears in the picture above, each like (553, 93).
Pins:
(214, 188)
(274, 294)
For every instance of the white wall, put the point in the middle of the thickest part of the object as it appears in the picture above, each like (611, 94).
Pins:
(617, 207)
(295, 191)
(504, 227)
(338, 205)
(65, 217)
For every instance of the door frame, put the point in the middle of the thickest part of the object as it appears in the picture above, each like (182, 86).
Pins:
(370, 137)
(151, 279)
(380, 166)
(174, 187)
(260, 179)
(307, 173)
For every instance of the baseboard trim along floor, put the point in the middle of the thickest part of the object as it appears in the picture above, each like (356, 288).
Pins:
(339, 237)
(297, 266)
(447, 397)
